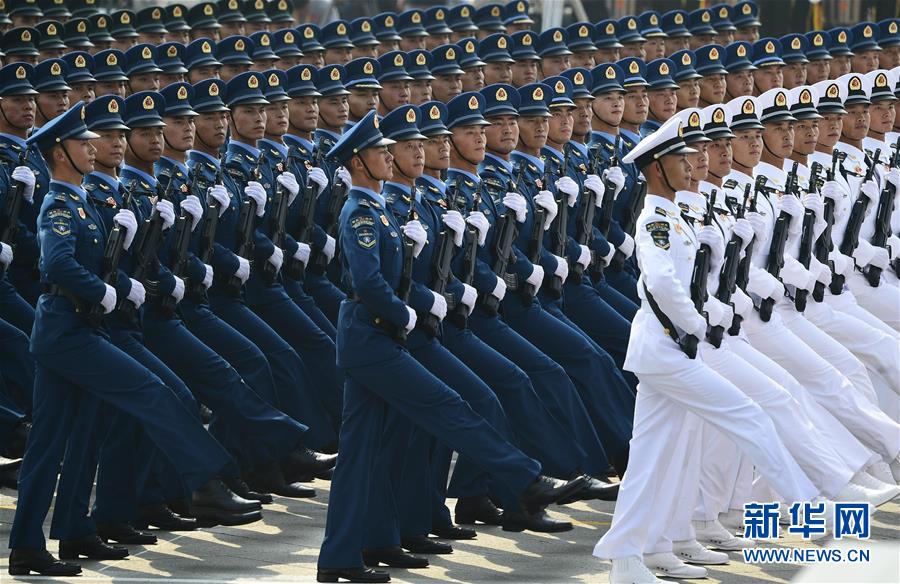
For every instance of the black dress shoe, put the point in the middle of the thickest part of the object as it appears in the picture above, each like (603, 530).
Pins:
(454, 532)
(534, 521)
(351, 575)
(23, 562)
(304, 462)
(124, 533)
(420, 544)
(595, 489)
(270, 479)
(15, 445)
(482, 509)
(216, 495)
(90, 547)
(545, 490)
(161, 517)
(393, 557)
(9, 474)
(241, 489)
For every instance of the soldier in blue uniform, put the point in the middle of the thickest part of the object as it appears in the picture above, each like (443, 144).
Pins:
(661, 98)
(380, 371)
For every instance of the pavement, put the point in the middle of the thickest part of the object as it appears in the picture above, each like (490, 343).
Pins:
(284, 546)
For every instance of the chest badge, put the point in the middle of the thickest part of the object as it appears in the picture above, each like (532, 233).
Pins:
(81, 213)
(384, 221)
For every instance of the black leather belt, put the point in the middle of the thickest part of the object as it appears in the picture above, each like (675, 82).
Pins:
(57, 290)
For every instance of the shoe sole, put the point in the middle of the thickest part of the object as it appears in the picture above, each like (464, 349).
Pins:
(688, 560)
(78, 556)
(516, 528)
(465, 520)
(218, 517)
(17, 571)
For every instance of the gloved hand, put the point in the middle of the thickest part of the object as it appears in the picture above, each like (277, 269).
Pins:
(742, 303)
(744, 230)
(137, 294)
(832, 190)
(822, 271)
(477, 220)
(870, 190)
(562, 268)
(414, 230)
(439, 306)
(277, 258)
(289, 182)
(255, 191)
(516, 203)
(302, 253)
(536, 278)
(727, 315)
(584, 258)
(568, 187)
(791, 205)
(109, 299)
(167, 212)
(208, 277)
(799, 278)
(880, 259)
(843, 265)
(411, 323)
(220, 195)
(627, 246)
(344, 175)
(469, 296)
(6, 255)
(893, 177)
(712, 236)
(545, 200)
(329, 248)
(714, 312)
(814, 203)
(191, 205)
(178, 291)
(759, 223)
(595, 183)
(893, 246)
(26, 176)
(317, 175)
(243, 271)
(125, 218)
(617, 177)
(499, 290)
(456, 224)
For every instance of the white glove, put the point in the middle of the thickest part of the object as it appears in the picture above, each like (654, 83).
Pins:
(6, 254)
(800, 279)
(870, 190)
(893, 177)
(178, 292)
(545, 200)
(125, 218)
(219, 194)
(302, 253)
(880, 259)
(137, 294)
(477, 220)
(822, 271)
(742, 303)
(439, 306)
(893, 246)
(568, 187)
(330, 247)
(595, 183)
(832, 190)
(277, 258)
(255, 191)
(627, 246)
(289, 181)
(744, 230)
(727, 315)
(243, 271)
(167, 212)
(109, 299)
(584, 258)
(317, 175)
(469, 296)
(759, 223)
(843, 265)
(499, 289)
(414, 230)
(714, 312)
(455, 222)
(814, 203)
(516, 203)
(344, 174)
(791, 205)
(191, 205)
(26, 176)
(536, 278)
(411, 323)
(617, 177)
(711, 236)
(208, 276)
(562, 268)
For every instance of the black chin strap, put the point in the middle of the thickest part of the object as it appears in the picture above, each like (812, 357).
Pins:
(400, 170)
(71, 162)
(662, 171)
(366, 167)
(6, 119)
(130, 149)
(766, 146)
(472, 162)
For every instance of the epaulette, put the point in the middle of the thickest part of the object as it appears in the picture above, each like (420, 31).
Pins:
(730, 184)
(60, 197)
(363, 203)
(88, 186)
(661, 211)
(489, 168)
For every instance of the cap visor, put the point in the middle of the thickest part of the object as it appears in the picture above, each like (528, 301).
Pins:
(111, 125)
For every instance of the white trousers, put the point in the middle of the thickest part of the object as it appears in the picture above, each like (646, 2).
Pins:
(883, 300)
(847, 303)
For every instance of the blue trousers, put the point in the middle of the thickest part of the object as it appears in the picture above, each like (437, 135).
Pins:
(13, 308)
(625, 281)
(308, 305)
(16, 367)
(621, 303)
(327, 296)
(10, 418)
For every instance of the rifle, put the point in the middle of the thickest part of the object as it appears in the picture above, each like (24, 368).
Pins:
(406, 276)
(806, 240)
(775, 261)
(883, 218)
(584, 222)
(147, 248)
(824, 244)
(181, 243)
(728, 275)
(743, 274)
(12, 208)
(536, 239)
(858, 212)
(459, 316)
(503, 248)
(208, 231)
(440, 267)
(699, 277)
(109, 267)
(245, 227)
(339, 190)
(304, 229)
(606, 211)
(559, 234)
(279, 218)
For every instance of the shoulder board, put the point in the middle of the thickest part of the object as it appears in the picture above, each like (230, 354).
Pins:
(492, 181)
(730, 184)
(661, 211)
(468, 183)
(361, 220)
(235, 172)
(721, 211)
(489, 168)
(363, 203)
(88, 186)
(60, 197)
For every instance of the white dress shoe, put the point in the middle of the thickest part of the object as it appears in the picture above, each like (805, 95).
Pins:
(882, 471)
(866, 480)
(856, 493)
(732, 520)
(692, 552)
(631, 570)
(667, 564)
(712, 535)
